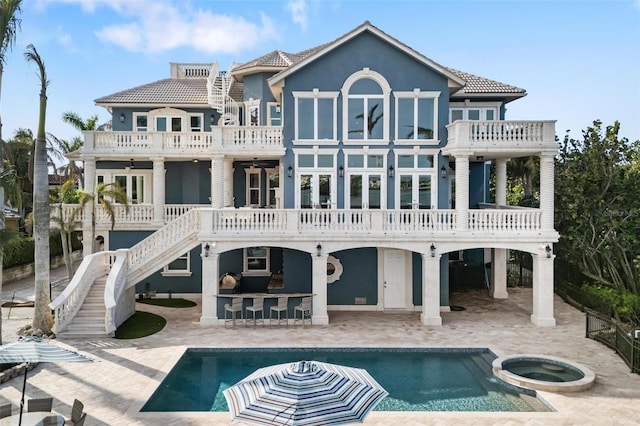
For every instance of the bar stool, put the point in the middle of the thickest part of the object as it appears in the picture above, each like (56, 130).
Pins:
(280, 309)
(258, 306)
(233, 309)
(305, 311)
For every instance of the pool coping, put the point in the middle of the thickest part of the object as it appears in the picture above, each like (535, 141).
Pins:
(135, 408)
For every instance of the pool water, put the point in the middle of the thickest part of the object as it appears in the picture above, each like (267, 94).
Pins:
(416, 379)
(547, 371)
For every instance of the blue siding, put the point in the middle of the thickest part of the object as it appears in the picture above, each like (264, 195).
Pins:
(359, 277)
(187, 182)
(256, 87)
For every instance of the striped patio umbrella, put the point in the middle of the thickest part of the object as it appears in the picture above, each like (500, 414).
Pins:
(304, 393)
(34, 350)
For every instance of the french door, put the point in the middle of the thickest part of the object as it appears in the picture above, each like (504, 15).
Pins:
(365, 191)
(316, 190)
(415, 191)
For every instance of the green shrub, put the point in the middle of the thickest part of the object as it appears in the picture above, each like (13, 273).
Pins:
(624, 304)
(20, 250)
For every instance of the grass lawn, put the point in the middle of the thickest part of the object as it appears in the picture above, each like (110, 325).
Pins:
(140, 324)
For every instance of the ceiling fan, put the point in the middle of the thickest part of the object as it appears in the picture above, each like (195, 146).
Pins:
(254, 163)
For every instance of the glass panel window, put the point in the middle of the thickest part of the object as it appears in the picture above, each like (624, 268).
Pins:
(405, 161)
(179, 267)
(425, 126)
(325, 160)
(305, 118)
(406, 192)
(365, 86)
(405, 118)
(254, 188)
(356, 118)
(490, 114)
(273, 179)
(196, 123)
(425, 161)
(121, 181)
(375, 191)
(137, 189)
(161, 124)
(355, 192)
(325, 191)
(474, 114)
(176, 124)
(274, 114)
(325, 119)
(375, 161)
(424, 192)
(456, 114)
(416, 115)
(355, 161)
(306, 160)
(306, 194)
(256, 259)
(141, 123)
(374, 116)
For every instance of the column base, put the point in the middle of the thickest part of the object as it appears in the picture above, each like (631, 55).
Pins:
(543, 322)
(500, 295)
(431, 320)
(320, 320)
(204, 321)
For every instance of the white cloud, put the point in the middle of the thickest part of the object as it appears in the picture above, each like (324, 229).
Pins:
(160, 25)
(299, 12)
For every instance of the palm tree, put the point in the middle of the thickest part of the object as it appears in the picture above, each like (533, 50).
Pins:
(71, 170)
(67, 194)
(105, 195)
(42, 318)
(9, 26)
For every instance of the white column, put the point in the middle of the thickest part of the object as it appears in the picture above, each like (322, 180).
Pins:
(430, 290)
(228, 182)
(319, 287)
(90, 187)
(462, 192)
(546, 190)
(217, 181)
(501, 182)
(158, 191)
(543, 291)
(499, 274)
(209, 287)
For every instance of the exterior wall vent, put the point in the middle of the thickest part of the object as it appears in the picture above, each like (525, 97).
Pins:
(360, 300)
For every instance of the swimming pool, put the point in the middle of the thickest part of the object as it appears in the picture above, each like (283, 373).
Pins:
(416, 379)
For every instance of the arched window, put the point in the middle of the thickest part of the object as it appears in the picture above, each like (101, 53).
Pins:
(366, 107)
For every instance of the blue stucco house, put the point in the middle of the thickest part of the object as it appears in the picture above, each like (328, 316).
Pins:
(356, 172)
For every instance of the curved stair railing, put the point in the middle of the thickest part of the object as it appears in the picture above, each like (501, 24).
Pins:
(218, 87)
(69, 302)
(113, 290)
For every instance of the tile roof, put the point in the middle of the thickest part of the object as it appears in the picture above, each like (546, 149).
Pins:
(479, 85)
(168, 91)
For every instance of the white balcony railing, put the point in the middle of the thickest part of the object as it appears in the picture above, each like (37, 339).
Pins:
(219, 139)
(313, 221)
(501, 134)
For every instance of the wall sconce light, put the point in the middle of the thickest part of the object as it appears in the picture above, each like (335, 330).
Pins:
(548, 250)
(341, 171)
(480, 158)
(289, 171)
(122, 117)
(443, 172)
(278, 108)
(433, 250)
(212, 120)
(131, 164)
(391, 171)
(207, 248)
(319, 250)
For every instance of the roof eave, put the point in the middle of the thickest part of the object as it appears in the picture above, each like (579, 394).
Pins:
(507, 97)
(240, 74)
(110, 105)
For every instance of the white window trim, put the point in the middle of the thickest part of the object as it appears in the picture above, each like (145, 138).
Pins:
(248, 172)
(314, 170)
(252, 272)
(386, 109)
(109, 176)
(269, 118)
(482, 106)
(315, 94)
(415, 171)
(251, 104)
(185, 118)
(383, 171)
(277, 189)
(418, 94)
(166, 272)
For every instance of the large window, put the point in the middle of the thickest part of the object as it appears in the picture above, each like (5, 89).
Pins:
(366, 108)
(316, 179)
(273, 114)
(135, 183)
(417, 116)
(366, 179)
(168, 120)
(416, 181)
(315, 115)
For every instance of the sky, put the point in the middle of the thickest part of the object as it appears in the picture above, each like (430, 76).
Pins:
(578, 60)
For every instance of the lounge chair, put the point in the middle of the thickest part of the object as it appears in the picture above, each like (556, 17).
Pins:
(39, 404)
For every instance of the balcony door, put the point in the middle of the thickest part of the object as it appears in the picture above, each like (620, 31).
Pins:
(365, 190)
(317, 190)
(415, 191)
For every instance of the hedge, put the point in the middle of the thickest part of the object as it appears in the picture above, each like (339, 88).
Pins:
(20, 251)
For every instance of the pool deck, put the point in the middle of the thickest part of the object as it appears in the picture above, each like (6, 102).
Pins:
(128, 371)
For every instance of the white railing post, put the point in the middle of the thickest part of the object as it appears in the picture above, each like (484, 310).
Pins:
(217, 181)
(462, 192)
(158, 191)
(546, 190)
(501, 182)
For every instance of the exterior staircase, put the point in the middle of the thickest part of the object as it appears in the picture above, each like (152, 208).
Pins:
(89, 321)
